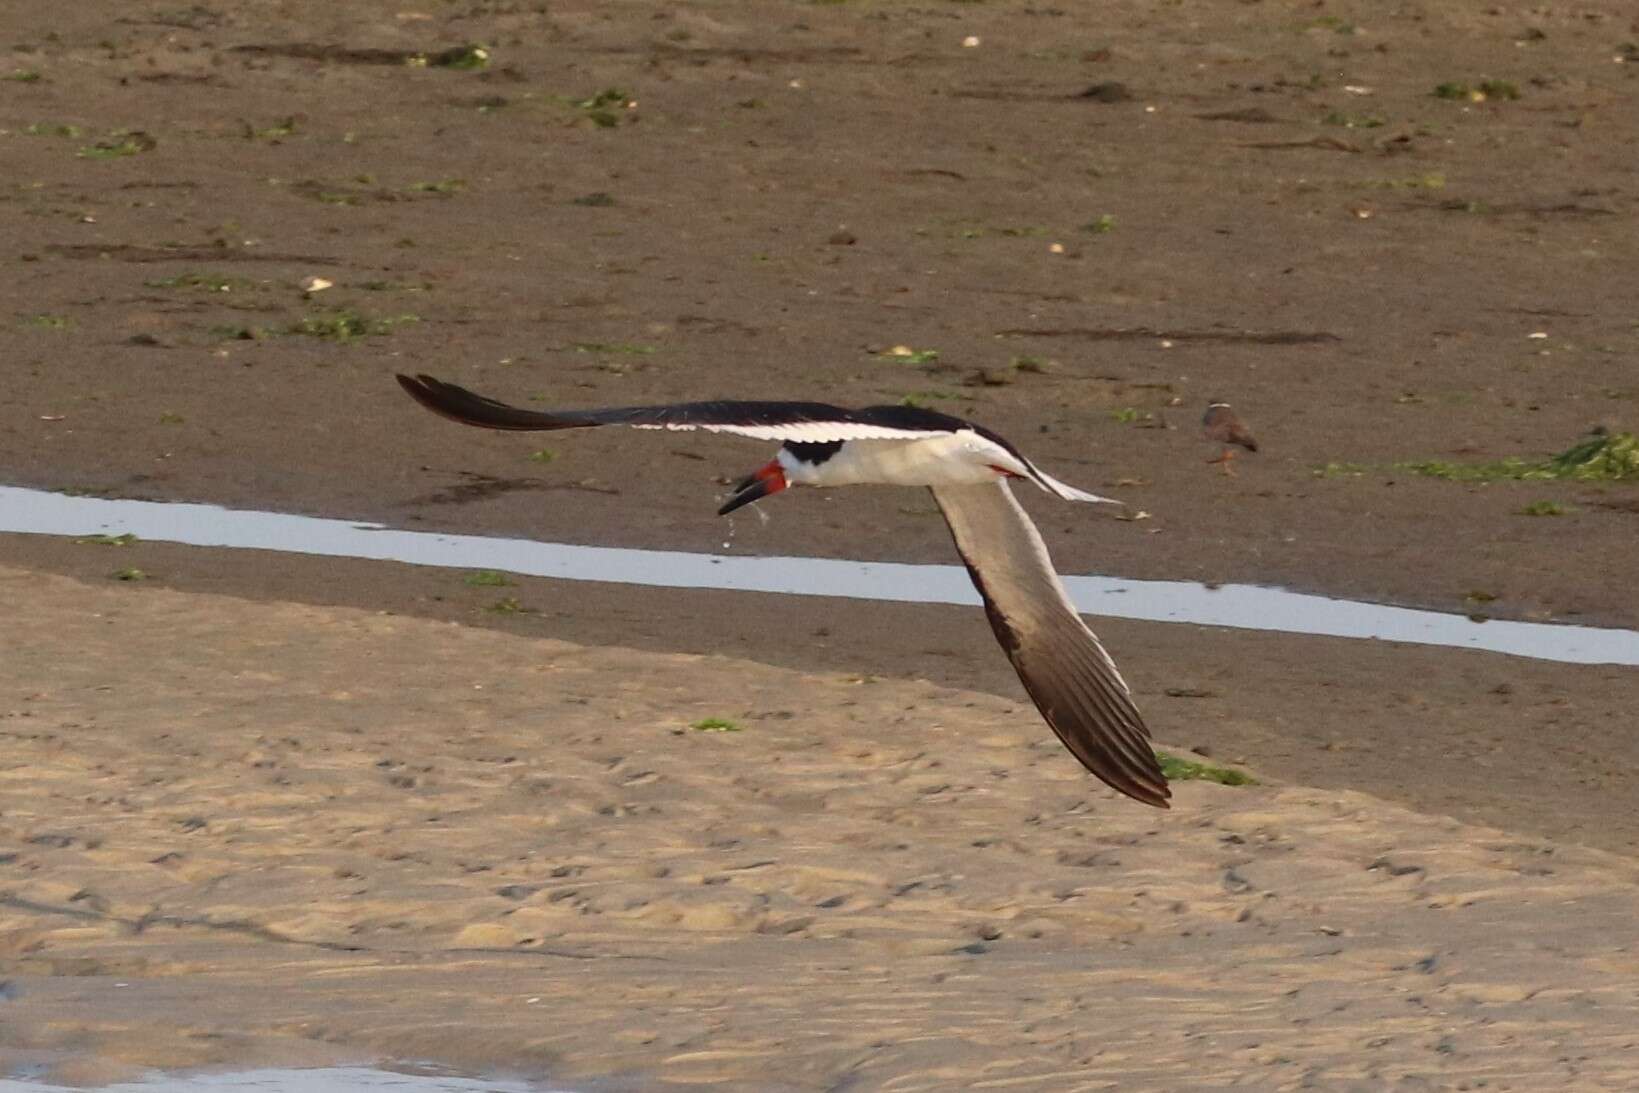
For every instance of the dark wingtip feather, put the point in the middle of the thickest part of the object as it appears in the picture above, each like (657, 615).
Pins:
(1156, 796)
(439, 397)
(460, 404)
(424, 389)
(1148, 786)
(411, 385)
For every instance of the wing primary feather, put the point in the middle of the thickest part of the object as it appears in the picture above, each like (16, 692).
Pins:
(1065, 670)
(459, 404)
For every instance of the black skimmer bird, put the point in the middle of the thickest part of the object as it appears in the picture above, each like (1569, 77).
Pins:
(1223, 426)
(1067, 673)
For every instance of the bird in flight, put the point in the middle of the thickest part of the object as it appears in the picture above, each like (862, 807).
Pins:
(1065, 670)
(1224, 427)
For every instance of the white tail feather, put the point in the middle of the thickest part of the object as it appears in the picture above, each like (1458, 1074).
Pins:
(1070, 493)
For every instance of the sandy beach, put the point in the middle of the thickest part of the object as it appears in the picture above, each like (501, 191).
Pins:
(242, 833)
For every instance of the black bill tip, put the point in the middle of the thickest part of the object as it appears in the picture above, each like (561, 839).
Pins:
(750, 489)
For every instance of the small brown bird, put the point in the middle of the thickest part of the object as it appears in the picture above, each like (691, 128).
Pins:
(1222, 425)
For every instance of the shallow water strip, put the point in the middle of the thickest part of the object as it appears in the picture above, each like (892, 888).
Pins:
(1243, 606)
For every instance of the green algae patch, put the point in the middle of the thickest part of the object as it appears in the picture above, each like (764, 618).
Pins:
(1179, 769)
(1599, 457)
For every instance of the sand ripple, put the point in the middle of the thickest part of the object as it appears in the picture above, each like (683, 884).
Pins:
(287, 830)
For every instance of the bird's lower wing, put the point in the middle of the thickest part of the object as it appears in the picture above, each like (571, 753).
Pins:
(804, 422)
(1070, 677)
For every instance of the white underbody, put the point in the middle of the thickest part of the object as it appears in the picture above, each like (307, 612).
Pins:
(945, 459)
(963, 458)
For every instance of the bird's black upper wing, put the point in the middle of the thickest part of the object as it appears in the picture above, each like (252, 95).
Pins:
(804, 422)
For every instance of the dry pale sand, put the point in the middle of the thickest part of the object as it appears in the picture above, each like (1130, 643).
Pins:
(236, 832)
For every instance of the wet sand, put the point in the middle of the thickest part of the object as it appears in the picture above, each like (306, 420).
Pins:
(1277, 210)
(262, 832)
